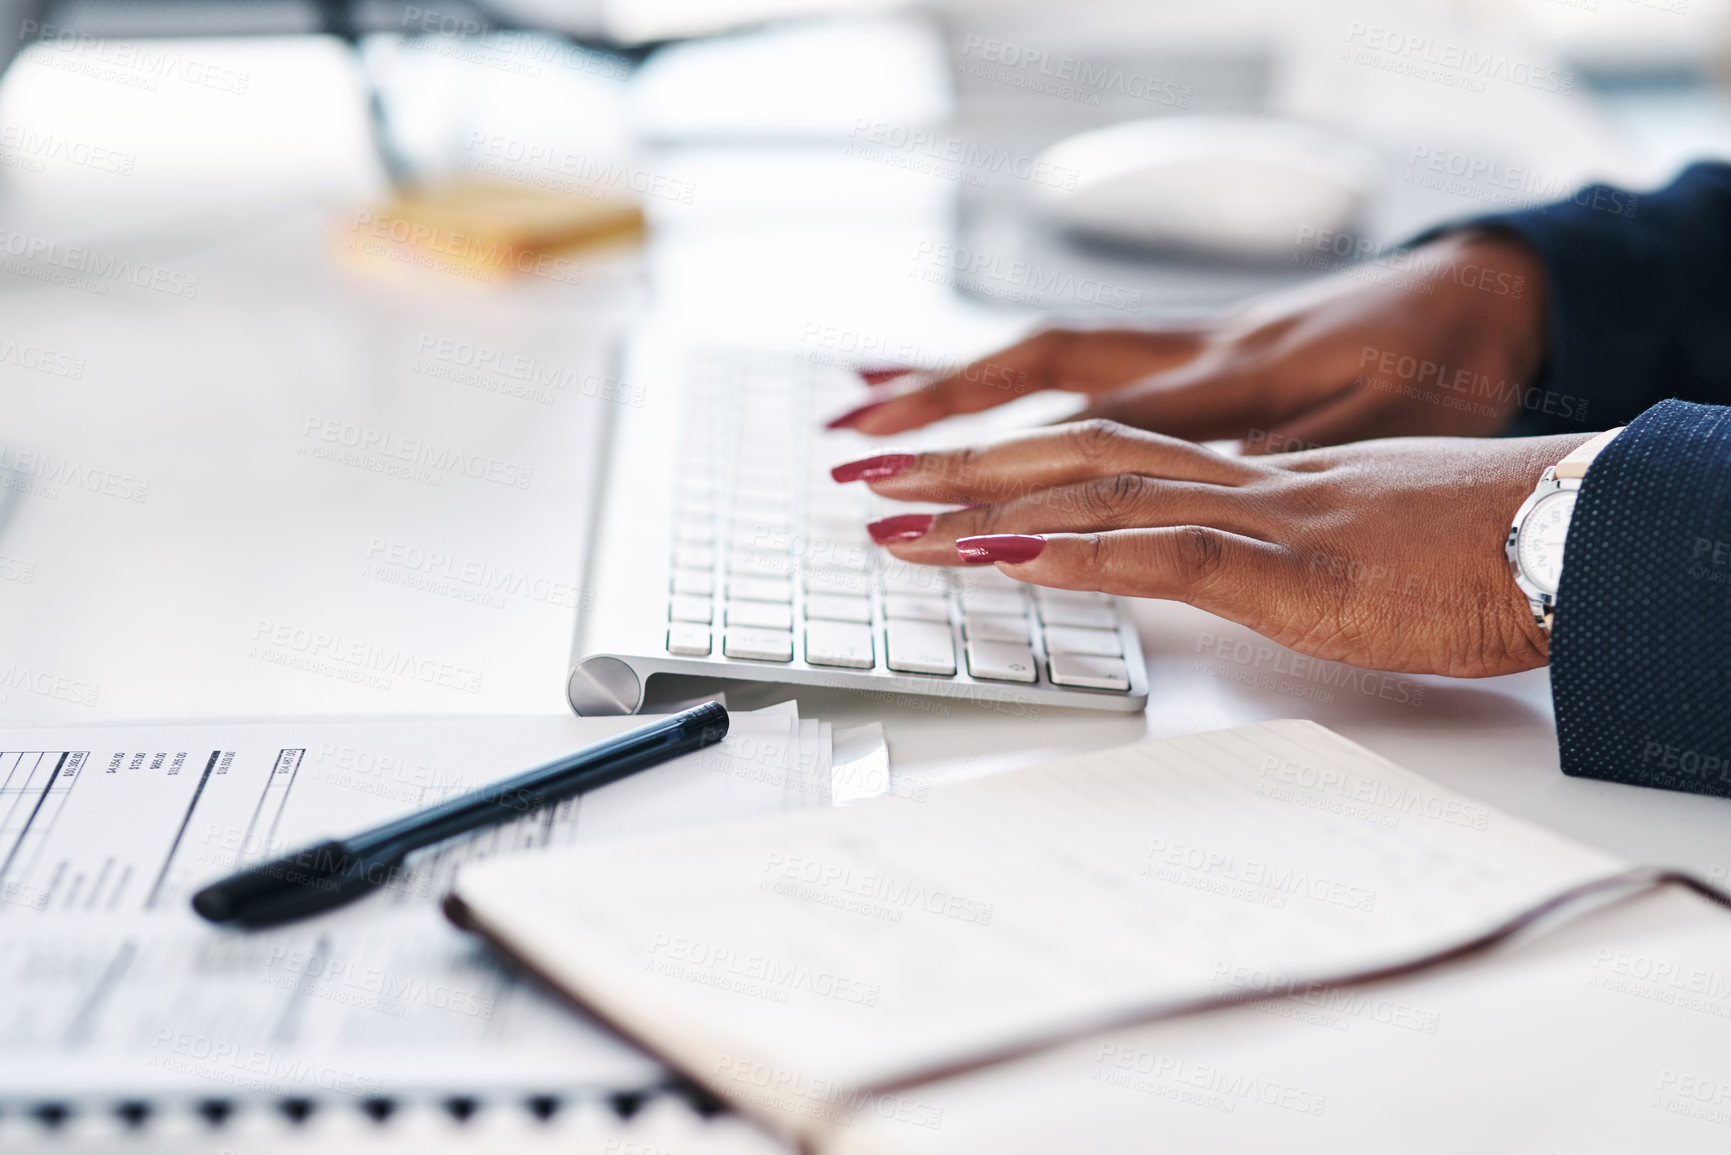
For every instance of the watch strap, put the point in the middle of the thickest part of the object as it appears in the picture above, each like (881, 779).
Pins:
(1574, 466)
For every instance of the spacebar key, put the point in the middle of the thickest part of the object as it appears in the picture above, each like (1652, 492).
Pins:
(921, 648)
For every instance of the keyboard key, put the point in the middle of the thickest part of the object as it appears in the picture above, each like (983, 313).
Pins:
(750, 538)
(694, 557)
(1001, 661)
(840, 552)
(1090, 672)
(910, 607)
(827, 499)
(899, 577)
(987, 578)
(836, 581)
(759, 645)
(1045, 594)
(762, 615)
(845, 521)
(690, 609)
(992, 601)
(771, 496)
(697, 582)
(695, 532)
(770, 479)
(921, 648)
(846, 525)
(1076, 614)
(1075, 640)
(838, 608)
(688, 640)
(760, 523)
(996, 628)
(759, 563)
(759, 589)
(839, 644)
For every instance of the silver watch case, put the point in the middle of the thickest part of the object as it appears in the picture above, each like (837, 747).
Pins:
(1542, 602)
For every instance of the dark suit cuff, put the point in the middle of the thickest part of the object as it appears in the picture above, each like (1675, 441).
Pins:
(1637, 288)
(1605, 336)
(1641, 647)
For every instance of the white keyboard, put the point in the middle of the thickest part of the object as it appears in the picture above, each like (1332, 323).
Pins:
(770, 574)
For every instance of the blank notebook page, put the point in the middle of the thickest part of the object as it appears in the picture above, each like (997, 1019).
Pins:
(786, 960)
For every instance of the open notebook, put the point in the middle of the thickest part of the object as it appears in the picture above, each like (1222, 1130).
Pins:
(810, 968)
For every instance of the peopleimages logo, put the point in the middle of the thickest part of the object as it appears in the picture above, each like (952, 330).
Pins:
(757, 975)
(21, 142)
(531, 372)
(20, 468)
(41, 360)
(826, 1100)
(252, 1068)
(1444, 62)
(281, 643)
(463, 253)
(466, 578)
(138, 64)
(588, 175)
(1345, 786)
(787, 871)
(1064, 76)
(1253, 879)
(1488, 179)
(951, 157)
(429, 457)
(46, 684)
(1021, 282)
(1202, 1084)
(32, 256)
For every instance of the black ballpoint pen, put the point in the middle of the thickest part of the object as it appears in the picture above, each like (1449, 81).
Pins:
(331, 873)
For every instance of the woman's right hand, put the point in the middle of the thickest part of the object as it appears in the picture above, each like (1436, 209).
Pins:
(1446, 341)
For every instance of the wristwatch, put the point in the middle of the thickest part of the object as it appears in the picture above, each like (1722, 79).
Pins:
(1535, 545)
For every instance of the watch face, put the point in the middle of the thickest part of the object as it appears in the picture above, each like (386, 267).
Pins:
(1539, 545)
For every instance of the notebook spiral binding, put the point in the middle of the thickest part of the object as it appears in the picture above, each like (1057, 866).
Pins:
(45, 1118)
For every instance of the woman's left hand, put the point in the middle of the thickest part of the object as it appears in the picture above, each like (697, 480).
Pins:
(1382, 554)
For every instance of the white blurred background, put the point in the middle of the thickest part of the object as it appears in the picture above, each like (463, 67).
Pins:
(850, 182)
(1648, 83)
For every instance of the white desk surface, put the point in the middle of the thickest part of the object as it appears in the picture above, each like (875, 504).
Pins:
(174, 606)
(211, 407)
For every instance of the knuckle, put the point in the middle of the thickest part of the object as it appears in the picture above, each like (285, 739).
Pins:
(1096, 439)
(952, 468)
(984, 520)
(1198, 552)
(1050, 343)
(1262, 336)
(1098, 547)
(1113, 498)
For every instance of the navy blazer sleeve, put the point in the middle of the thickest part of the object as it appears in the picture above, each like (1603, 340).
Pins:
(1641, 643)
(1639, 300)
(1640, 311)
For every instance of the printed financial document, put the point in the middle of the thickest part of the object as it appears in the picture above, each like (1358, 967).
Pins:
(111, 986)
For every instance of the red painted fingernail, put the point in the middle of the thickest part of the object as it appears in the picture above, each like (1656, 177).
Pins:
(846, 420)
(873, 468)
(1013, 548)
(878, 374)
(904, 527)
